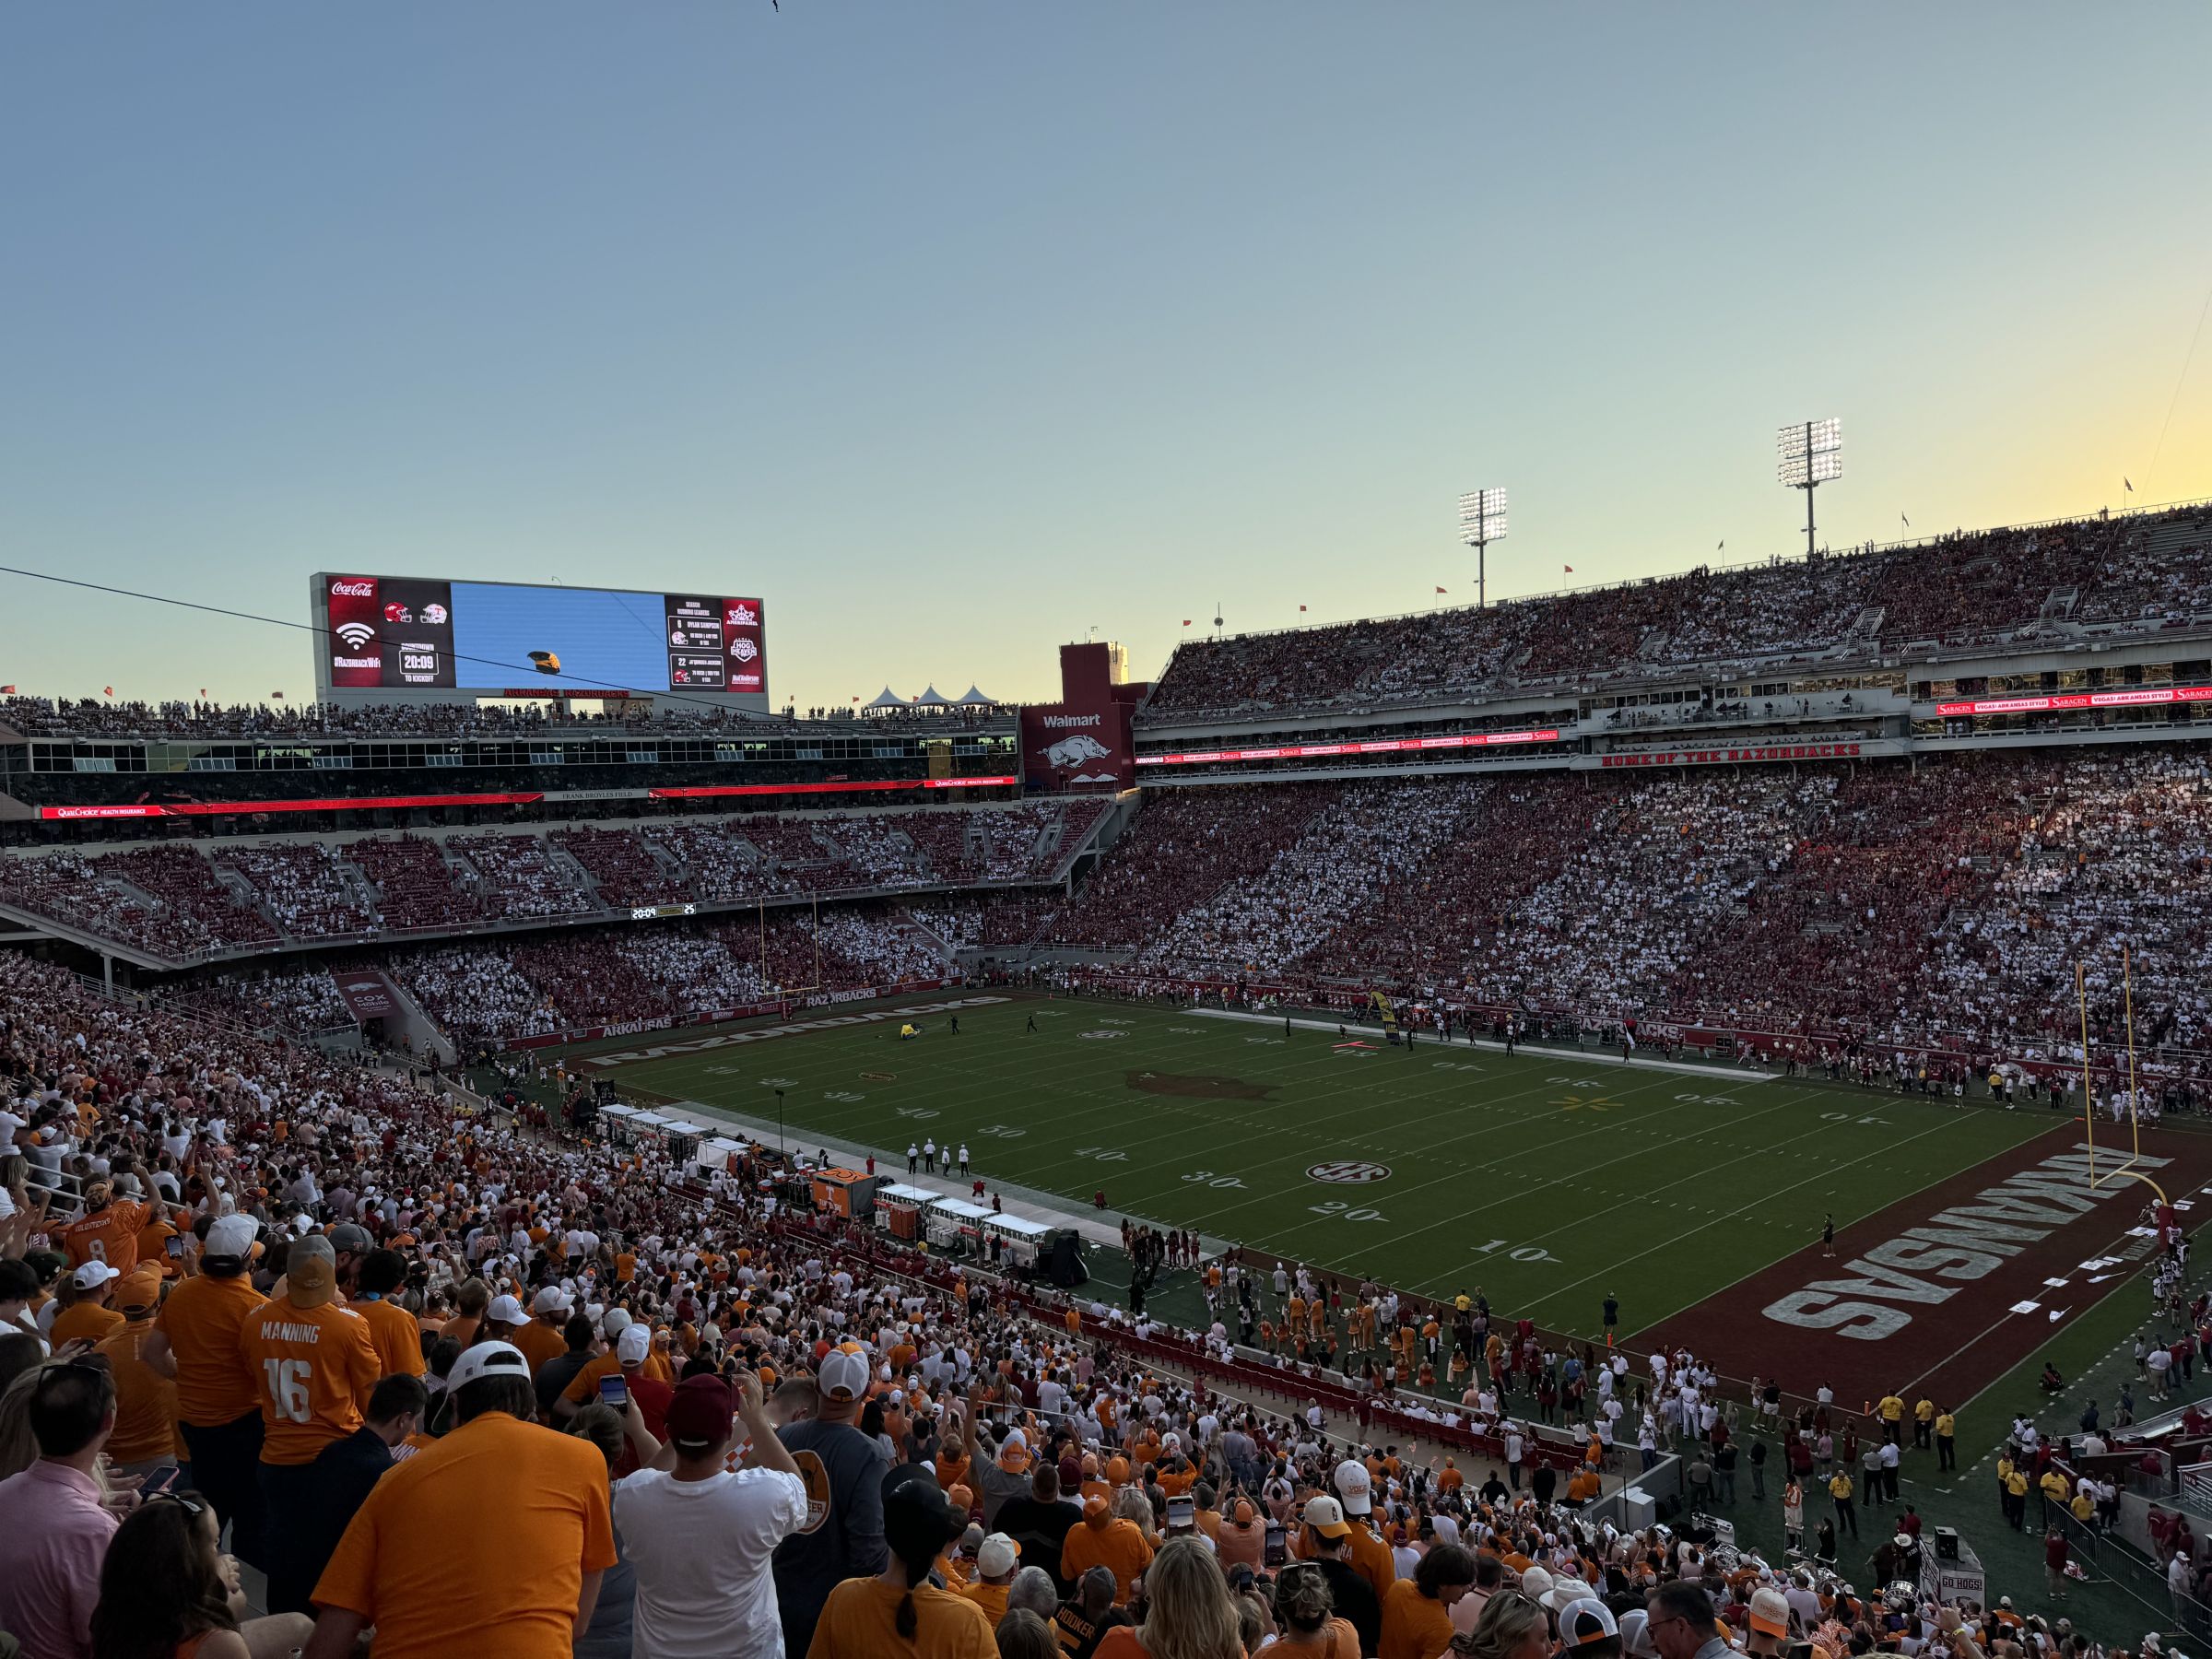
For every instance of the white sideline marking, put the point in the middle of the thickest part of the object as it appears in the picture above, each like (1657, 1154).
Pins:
(1579, 1056)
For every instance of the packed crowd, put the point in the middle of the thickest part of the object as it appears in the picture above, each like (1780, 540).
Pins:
(305, 888)
(1370, 836)
(172, 899)
(1881, 908)
(473, 1388)
(2120, 574)
(112, 717)
(485, 996)
(302, 1000)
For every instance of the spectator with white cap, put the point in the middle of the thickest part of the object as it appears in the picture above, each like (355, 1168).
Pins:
(504, 1321)
(1587, 1629)
(541, 1339)
(701, 1538)
(843, 1536)
(430, 1559)
(85, 1313)
(996, 1564)
(194, 1339)
(1367, 1552)
(1350, 1594)
(1768, 1626)
(629, 1346)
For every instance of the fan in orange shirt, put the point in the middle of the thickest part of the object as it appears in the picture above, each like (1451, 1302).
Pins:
(108, 1232)
(317, 1366)
(542, 1338)
(431, 1558)
(1104, 1539)
(393, 1331)
(146, 1401)
(87, 1315)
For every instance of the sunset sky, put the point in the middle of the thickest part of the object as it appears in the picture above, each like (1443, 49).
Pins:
(954, 331)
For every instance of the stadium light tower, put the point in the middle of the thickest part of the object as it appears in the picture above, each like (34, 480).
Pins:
(1482, 522)
(1809, 453)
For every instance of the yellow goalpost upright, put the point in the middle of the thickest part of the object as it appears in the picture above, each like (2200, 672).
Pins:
(2126, 1172)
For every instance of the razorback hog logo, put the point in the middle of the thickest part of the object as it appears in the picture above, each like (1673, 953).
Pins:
(1075, 751)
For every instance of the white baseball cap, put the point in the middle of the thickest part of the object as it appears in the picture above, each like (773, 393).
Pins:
(844, 1372)
(505, 1310)
(633, 1345)
(487, 1359)
(1353, 1486)
(93, 1274)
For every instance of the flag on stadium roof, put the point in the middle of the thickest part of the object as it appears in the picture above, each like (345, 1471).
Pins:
(1439, 590)
(1569, 569)
(1186, 622)
(107, 690)
(887, 698)
(10, 690)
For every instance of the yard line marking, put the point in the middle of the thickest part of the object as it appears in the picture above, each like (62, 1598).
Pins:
(1762, 1199)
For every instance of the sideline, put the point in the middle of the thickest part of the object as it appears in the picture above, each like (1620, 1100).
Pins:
(1024, 1202)
(1579, 1056)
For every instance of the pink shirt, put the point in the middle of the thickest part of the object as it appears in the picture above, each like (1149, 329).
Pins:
(58, 1538)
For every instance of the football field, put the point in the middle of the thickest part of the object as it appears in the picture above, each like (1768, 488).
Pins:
(1695, 1196)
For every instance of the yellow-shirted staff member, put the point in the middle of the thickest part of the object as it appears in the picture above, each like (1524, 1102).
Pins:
(1891, 1410)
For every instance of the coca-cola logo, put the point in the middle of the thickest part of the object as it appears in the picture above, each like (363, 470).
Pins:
(363, 589)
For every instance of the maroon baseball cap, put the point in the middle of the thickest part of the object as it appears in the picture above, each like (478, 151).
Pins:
(699, 1414)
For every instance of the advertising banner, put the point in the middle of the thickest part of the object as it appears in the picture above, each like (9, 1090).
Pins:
(368, 993)
(1065, 747)
(1742, 754)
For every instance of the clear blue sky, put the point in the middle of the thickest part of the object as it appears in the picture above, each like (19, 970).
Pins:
(953, 330)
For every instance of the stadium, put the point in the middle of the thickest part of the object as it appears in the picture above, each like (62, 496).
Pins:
(1432, 1104)
(1684, 923)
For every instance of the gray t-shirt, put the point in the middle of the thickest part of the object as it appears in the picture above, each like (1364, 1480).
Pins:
(843, 1535)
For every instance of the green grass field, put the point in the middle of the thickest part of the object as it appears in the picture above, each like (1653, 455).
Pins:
(1546, 1182)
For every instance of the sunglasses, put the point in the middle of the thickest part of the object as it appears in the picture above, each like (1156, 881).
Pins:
(196, 1506)
(97, 1363)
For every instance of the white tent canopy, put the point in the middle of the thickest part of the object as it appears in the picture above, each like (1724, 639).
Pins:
(930, 699)
(975, 696)
(887, 698)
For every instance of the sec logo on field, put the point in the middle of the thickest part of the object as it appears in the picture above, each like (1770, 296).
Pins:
(1348, 1173)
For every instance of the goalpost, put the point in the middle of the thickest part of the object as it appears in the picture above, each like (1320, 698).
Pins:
(2126, 1172)
(814, 929)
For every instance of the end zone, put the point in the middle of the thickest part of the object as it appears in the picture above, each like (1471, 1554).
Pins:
(1947, 1290)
